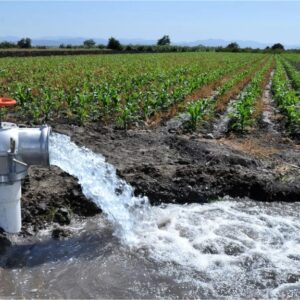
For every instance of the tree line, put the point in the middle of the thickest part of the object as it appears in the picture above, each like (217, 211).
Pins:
(163, 45)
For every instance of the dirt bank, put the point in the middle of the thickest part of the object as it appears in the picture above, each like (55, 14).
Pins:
(171, 167)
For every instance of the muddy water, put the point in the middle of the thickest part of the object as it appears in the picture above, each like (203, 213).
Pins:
(235, 248)
(227, 248)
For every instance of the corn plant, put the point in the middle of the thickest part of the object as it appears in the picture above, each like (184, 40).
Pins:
(197, 110)
(243, 107)
(285, 97)
(293, 74)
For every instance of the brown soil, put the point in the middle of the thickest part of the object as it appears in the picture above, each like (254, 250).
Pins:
(52, 196)
(260, 103)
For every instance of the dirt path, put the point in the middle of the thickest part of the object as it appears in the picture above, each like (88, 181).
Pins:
(269, 111)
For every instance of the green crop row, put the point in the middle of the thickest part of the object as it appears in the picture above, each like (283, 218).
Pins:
(202, 108)
(243, 107)
(286, 97)
(294, 58)
(293, 74)
(117, 89)
(232, 82)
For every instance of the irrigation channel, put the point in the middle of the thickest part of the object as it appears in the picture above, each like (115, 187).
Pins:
(232, 247)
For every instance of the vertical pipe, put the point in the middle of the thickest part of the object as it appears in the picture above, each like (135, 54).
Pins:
(10, 207)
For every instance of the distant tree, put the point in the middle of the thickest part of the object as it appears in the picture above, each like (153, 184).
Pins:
(128, 48)
(234, 47)
(114, 44)
(141, 48)
(5, 45)
(62, 46)
(24, 43)
(149, 48)
(165, 40)
(100, 46)
(278, 46)
(219, 49)
(89, 43)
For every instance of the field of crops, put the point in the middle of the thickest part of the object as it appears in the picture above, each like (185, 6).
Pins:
(136, 89)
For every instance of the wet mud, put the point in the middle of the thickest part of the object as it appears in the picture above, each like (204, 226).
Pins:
(176, 168)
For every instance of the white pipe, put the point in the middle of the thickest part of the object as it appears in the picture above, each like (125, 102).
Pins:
(10, 207)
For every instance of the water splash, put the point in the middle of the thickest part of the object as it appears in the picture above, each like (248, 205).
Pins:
(239, 248)
(100, 184)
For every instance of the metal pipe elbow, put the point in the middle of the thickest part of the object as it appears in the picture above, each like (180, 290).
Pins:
(33, 146)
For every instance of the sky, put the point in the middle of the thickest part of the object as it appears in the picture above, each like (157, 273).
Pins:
(269, 22)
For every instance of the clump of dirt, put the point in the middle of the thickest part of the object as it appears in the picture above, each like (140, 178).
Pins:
(52, 196)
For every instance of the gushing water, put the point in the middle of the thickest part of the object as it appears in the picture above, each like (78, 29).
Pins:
(100, 184)
(226, 248)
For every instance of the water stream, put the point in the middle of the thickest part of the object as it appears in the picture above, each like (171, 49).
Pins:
(229, 248)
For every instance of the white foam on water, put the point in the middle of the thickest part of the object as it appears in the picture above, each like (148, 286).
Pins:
(231, 247)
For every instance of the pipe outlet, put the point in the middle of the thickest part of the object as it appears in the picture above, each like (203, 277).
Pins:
(20, 148)
(33, 147)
